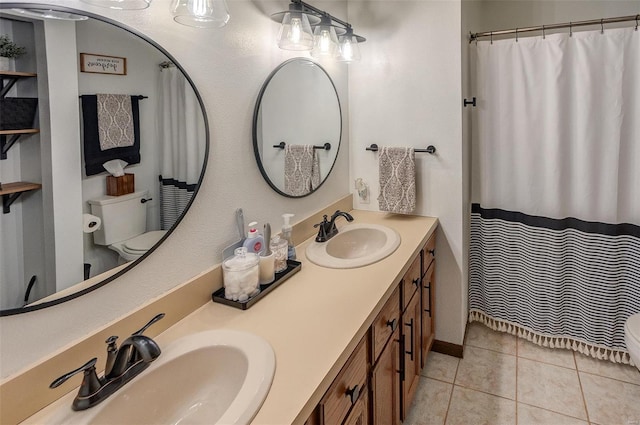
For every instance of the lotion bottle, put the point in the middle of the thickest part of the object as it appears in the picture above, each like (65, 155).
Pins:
(255, 241)
(286, 234)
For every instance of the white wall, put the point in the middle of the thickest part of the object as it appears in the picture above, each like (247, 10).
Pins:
(406, 92)
(228, 66)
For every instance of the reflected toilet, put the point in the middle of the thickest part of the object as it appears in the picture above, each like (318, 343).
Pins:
(632, 338)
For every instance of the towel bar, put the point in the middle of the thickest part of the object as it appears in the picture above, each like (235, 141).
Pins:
(138, 96)
(326, 146)
(430, 149)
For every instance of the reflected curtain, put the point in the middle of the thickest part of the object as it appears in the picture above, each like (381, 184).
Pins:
(555, 223)
(182, 140)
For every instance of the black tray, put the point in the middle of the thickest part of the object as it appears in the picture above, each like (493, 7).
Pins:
(293, 267)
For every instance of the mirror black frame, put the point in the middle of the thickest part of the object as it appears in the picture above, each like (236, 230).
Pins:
(43, 305)
(256, 113)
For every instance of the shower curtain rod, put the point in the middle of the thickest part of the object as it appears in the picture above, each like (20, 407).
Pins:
(516, 31)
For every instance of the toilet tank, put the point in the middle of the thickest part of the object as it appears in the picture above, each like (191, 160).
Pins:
(123, 217)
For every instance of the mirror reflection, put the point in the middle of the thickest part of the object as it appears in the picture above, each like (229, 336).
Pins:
(297, 127)
(104, 96)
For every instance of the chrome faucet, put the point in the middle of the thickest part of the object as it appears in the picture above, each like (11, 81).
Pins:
(134, 355)
(327, 228)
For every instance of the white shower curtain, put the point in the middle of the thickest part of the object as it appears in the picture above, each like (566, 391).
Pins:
(182, 139)
(555, 239)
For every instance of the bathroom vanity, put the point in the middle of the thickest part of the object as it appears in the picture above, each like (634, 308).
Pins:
(347, 342)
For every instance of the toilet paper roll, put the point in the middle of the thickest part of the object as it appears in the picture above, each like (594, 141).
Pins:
(90, 223)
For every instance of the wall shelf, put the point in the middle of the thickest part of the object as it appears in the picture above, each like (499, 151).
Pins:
(6, 143)
(12, 191)
(11, 77)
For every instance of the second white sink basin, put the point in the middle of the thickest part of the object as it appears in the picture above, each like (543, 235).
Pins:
(210, 377)
(356, 245)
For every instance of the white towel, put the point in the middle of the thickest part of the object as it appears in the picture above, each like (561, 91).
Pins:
(397, 180)
(115, 121)
(301, 169)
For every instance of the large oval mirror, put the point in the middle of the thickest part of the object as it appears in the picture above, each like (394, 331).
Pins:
(104, 94)
(297, 127)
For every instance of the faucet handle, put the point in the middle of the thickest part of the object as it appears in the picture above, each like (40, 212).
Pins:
(90, 382)
(151, 322)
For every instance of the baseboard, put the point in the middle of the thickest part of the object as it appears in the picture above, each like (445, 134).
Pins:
(447, 348)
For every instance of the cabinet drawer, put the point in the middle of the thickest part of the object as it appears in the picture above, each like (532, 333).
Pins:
(360, 413)
(428, 253)
(387, 321)
(411, 281)
(346, 388)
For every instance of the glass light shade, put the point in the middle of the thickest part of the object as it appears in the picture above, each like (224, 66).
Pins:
(325, 40)
(349, 49)
(200, 13)
(295, 32)
(120, 4)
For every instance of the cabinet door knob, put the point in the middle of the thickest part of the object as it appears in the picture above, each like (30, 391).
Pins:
(353, 393)
(432, 252)
(393, 324)
(416, 281)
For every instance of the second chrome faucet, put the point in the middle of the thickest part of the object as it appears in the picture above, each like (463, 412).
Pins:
(133, 356)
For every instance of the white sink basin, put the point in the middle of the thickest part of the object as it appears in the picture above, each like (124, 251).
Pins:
(212, 377)
(356, 245)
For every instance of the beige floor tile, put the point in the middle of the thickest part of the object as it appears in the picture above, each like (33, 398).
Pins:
(609, 401)
(555, 356)
(430, 403)
(530, 415)
(473, 407)
(440, 366)
(488, 371)
(608, 369)
(550, 387)
(481, 336)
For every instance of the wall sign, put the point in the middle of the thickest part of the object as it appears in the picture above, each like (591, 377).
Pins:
(100, 64)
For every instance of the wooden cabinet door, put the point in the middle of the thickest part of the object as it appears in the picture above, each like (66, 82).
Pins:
(411, 321)
(385, 384)
(428, 291)
(359, 414)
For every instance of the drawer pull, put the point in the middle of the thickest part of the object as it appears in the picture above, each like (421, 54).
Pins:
(410, 324)
(353, 393)
(432, 252)
(393, 324)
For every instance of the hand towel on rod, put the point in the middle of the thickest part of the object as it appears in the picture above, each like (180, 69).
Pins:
(94, 156)
(115, 121)
(397, 174)
(301, 169)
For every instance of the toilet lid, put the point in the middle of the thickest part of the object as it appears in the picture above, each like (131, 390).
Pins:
(633, 326)
(142, 243)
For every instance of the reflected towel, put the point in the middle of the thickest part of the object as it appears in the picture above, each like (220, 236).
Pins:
(397, 180)
(94, 156)
(301, 169)
(115, 121)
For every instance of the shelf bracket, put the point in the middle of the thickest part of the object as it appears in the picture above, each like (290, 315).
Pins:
(7, 200)
(6, 87)
(5, 144)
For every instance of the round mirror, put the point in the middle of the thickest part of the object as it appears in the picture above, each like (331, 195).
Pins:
(104, 94)
(297, 127)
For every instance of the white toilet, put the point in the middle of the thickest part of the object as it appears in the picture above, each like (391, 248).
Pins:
(632, 338)
(124, 225)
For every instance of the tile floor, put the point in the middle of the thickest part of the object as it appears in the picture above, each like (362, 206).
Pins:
(505, 380)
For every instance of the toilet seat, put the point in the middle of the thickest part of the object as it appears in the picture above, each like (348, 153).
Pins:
(633, 326)
(136, 247)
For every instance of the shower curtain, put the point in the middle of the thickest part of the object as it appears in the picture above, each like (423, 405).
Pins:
(182, 140)
(555, 223)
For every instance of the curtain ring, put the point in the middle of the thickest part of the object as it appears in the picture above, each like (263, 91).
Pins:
(601, 26)
(637, 16)
(544, 36)
(516, 35)
(491, 35)
(570, 29)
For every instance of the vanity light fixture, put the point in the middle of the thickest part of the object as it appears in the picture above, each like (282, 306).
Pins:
(120, 4)
(200, 13)
(331, 37)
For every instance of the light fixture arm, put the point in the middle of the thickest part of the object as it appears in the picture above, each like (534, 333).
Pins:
(321, 13)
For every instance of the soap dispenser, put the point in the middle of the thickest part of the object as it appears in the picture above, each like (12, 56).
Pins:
(255, 241)
(286, 234)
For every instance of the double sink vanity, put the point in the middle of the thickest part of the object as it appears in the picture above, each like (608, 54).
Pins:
(330, 346)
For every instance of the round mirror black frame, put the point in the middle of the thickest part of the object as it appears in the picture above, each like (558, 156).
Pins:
(40, 306)
(256, 113)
